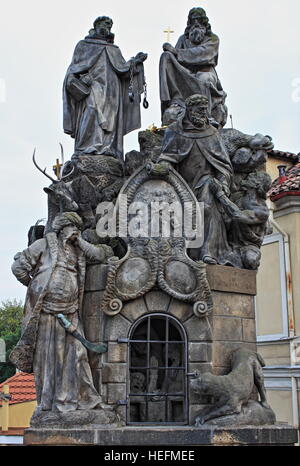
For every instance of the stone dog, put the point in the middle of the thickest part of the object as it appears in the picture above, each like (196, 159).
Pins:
(232, 391)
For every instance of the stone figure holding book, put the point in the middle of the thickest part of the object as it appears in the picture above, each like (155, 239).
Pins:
(101, 93)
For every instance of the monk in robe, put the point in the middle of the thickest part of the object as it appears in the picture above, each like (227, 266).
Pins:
(101, 93)
(189, 68)
(196, 149)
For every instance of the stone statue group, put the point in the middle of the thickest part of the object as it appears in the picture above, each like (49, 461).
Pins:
(101, 103)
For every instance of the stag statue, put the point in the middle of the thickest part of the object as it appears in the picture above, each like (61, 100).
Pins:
(81, 185)
(60, 195)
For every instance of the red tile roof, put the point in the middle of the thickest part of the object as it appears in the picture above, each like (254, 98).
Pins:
(21, 388)
(284, 155)
(290, 186)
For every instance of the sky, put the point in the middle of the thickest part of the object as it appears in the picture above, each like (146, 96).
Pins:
(259, 68)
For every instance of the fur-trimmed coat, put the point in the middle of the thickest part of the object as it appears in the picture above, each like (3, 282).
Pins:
(34, 268)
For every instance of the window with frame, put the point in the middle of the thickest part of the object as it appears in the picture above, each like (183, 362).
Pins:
(157, 382)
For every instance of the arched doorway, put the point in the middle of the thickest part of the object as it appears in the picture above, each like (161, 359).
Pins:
(157, 382)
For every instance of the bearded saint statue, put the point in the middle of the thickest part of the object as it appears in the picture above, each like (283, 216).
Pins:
(197, 151)
(189, 68)
(101, 93)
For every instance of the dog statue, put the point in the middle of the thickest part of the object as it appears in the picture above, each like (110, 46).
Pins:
(232, 391)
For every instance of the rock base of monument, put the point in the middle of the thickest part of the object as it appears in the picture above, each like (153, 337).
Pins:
(55, 419)
(279, 434)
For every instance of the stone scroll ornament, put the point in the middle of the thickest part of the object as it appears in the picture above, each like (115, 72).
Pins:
(157, 260)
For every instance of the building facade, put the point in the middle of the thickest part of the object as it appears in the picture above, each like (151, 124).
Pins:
(278, 293)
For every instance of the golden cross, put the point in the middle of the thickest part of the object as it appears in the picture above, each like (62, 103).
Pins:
(168, 32)
(57, 168)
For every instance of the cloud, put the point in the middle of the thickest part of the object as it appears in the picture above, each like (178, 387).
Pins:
(259, 58)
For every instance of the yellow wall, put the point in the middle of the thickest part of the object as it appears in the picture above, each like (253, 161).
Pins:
(281, 403)
(275, 354)
(20, 414)
(272, 164)
(268, 299)
(291, 224)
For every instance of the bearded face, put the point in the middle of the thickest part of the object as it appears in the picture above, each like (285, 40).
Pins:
(103, 28)
(197, 33)
(197, 114)
(69, 234)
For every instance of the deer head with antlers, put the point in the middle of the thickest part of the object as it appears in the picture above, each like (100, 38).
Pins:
(60, 195)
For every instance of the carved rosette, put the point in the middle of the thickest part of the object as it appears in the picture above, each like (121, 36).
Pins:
(157, 260)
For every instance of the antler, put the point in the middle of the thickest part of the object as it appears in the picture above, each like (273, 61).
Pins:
(62, 154)
(43, 171)
(61, 177)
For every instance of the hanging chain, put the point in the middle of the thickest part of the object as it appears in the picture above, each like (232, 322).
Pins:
(145, 101)
(130, 88)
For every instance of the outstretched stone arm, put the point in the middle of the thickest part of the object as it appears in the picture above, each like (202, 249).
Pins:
(250, 217)
(99, 253)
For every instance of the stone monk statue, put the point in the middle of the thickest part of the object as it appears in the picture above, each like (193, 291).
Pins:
(53, 269)
(195, 147)
(189, 69)
(101, 93)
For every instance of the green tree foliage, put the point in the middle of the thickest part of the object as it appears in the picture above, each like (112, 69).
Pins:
(11, 313)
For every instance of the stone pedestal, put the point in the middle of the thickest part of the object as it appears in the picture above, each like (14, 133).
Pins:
(279, 435)
(233, 292)
(209, 342)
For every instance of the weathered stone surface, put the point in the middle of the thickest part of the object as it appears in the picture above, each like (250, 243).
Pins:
(233, 391)
(115, 327)
(252, 414)
(95, 359)
(121, 412)
(231, 279)
(198, 329)
(97, 379)
(279, 434)
(200, 352)
(157, 301)
(95, 279)
(249, 330)
(176, 81)
(219, 370)
(104, 391)
(227, 328)
(116, 392)
(60, 436)
(194, 410)
(92, 329)
(222, 351)
(120, 114)
(117, 352)
(114, 373)
(71, 419)
(200, 367)
(233, 304)
(200, 399)
(91, 304)
(132, 310)
(181, 310)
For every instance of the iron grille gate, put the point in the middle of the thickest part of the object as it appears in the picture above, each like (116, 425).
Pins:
(157, 378)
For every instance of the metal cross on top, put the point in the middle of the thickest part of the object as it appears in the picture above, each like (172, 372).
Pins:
(168, 32)
(57, 167)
